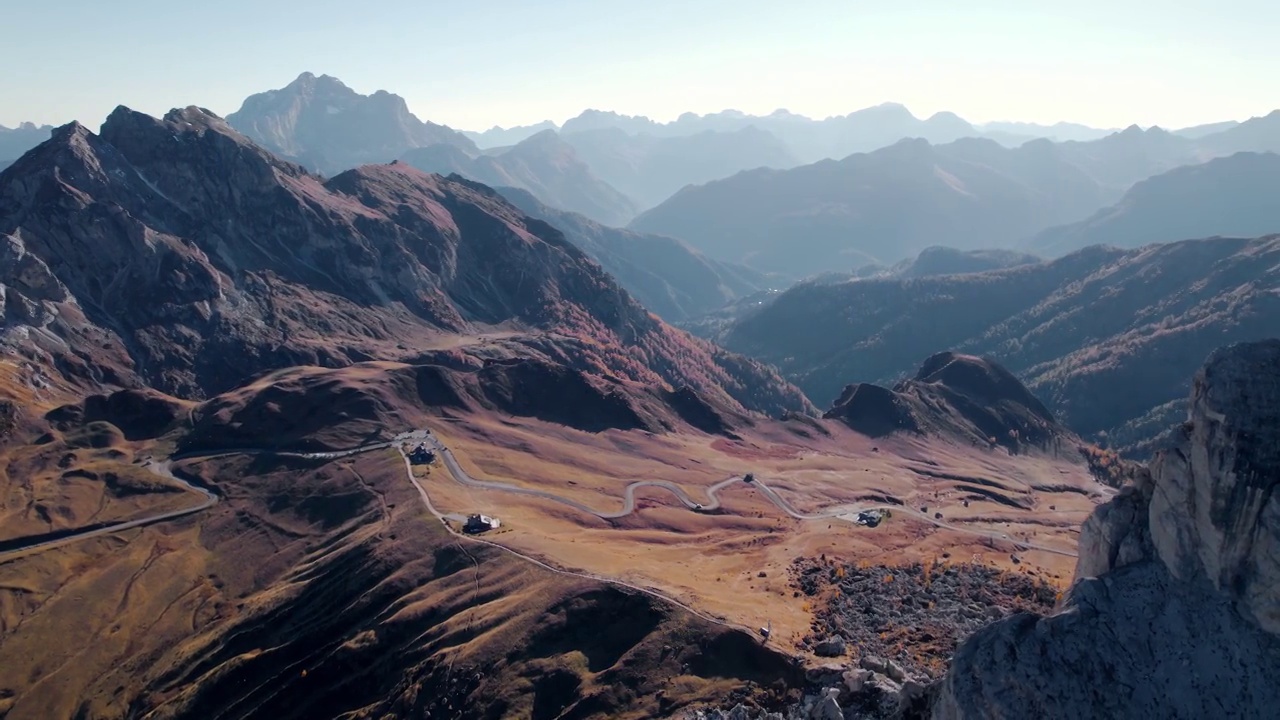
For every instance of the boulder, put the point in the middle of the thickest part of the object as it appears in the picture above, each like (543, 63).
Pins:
(827, 708)
(872, 663)
(854, 680)
(825, 675)
(831, 647)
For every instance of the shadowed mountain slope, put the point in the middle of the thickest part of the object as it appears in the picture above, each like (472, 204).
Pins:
(544, 165)
(664, 274)
(1105, 337)
(1236, 196)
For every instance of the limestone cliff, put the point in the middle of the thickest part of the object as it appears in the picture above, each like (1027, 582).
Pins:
(1175, 611)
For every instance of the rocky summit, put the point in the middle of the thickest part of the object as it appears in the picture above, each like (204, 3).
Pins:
(1175, 611)
(327, 126)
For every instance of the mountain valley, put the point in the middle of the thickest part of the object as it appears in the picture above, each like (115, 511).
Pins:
(1107, 338)
(325, 410)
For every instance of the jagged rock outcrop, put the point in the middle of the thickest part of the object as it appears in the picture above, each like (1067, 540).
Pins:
(1175, 611)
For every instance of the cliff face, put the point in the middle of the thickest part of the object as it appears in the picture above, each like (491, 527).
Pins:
(1175, 611)
(1215, 513)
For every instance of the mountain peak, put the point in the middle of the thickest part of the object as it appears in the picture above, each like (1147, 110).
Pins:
(542, 137)
(71, 129)
(325, 125)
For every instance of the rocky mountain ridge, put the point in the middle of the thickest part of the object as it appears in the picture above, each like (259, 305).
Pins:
(176, 253)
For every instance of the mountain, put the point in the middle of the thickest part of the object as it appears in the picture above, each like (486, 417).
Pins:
(175, 253)
(651, 168)
(931, 261)
(962, 397)
(1175, 592)
(1198, 131)
(939, 260)
(592, 119)
(1233, 196)
(1058, 132)
(328, 127)
(502, 137)
(1121, 159)
(1259, 134)
(879, 207)
(543, 164)
(664, 274)
(1106, 338)
(806, 139)
(16, 141)
(4, 164)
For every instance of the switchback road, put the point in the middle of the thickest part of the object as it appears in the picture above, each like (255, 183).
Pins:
(843, 512)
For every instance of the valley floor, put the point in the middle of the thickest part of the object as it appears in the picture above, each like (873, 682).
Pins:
(948, 504)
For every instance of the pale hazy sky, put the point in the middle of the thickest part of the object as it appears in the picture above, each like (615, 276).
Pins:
(475, 63)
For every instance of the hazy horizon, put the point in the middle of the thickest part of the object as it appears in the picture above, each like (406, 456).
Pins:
(504, 63)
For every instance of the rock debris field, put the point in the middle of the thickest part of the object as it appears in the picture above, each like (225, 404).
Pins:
(913, 615)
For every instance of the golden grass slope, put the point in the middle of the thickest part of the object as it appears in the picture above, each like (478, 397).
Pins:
(324, 589)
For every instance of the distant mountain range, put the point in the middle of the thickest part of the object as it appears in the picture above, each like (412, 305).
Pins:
(666, 275)
(651, 169)
(732, 185)
(879, 207)
(1104, 336)
(542, 164)
(16, 141)
(496, 137)
(805, 139)
(1236, 196)
(1058, 132)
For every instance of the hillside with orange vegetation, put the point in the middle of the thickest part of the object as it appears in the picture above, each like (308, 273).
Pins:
(328, 582)
(325, 587)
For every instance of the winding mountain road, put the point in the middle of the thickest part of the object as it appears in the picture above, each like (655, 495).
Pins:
(159, 468)
(844, 512)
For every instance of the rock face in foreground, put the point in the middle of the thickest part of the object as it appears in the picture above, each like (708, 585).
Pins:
(1176, 607)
